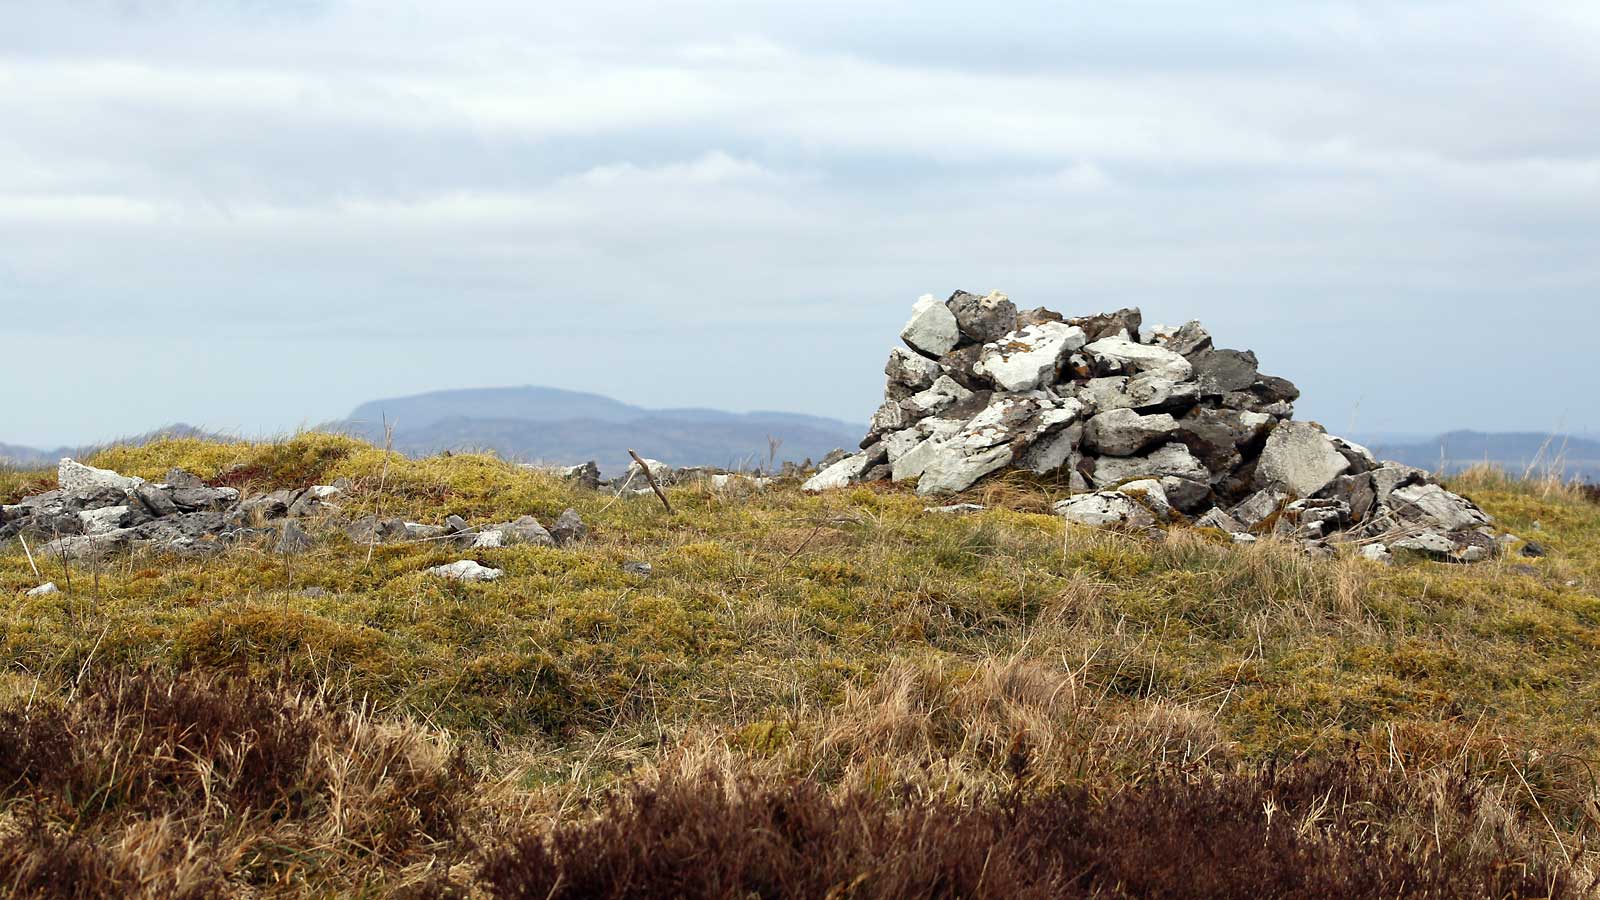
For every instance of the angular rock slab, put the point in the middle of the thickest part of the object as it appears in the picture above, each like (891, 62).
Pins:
(1301, 459)
(932, 329)
(74, 477)
(1105, 508)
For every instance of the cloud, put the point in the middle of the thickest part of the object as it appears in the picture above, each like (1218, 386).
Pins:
(765, 187)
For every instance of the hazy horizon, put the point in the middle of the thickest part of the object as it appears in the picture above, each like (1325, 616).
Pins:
(251, 216)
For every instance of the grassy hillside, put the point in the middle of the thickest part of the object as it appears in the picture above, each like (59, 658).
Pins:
(941, 678)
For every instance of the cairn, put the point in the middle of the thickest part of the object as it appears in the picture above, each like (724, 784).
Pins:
(1143, 425)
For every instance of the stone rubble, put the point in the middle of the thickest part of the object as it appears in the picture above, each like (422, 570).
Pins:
(97, 512)
(1145, 426)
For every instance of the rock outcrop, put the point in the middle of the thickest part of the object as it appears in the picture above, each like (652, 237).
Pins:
(1144, 425)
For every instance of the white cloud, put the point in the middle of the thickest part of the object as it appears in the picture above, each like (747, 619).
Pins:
(1328, 168)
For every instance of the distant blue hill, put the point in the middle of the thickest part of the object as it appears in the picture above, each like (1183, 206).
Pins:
(1570, 456)
(557, 426)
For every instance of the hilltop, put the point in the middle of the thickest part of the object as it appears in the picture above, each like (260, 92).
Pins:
(783, 657)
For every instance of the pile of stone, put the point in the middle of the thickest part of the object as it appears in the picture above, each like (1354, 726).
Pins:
(1144, 425)
(95, 512)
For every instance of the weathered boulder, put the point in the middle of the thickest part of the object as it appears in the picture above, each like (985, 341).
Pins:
(1299, 458)
(910, 371)
(1124, 432)
(1223, 371)
(569, 528)
(983, 319)
(932, 329)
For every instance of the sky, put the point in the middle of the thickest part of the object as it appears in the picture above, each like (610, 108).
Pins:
(252, 215)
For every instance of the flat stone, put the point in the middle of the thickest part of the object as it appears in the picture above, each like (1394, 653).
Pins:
(44, 590)
(838, 475)
(466, 570)
(1300, 459)
(1135, 357)
(1170, 459)
(1431, 543)
(1433, 505)
(1124, 432)
(525, 530)
(1221, 371)
(983, 319)
(932, 329)
(1028, 359)
(104, 520)
(74, 477)
(1105, 508)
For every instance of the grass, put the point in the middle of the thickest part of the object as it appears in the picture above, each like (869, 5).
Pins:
(848, 642)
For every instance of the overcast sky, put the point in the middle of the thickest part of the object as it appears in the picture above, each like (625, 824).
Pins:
(256, 214)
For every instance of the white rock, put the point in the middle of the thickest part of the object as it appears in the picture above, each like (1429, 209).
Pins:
(489, 540)
(1104, 508)
(1167, 460)
(75, 477)
(900, 443)
(1299, 458)
(1123, 432)
(951, 472)
(1437, 506)
(1151, 493)
(1244, 537)
(943, 394)
(43, 590)
(1053, 452)
(1031, 358)
(1429, 542)
(658, 470)
(735, 483)
(1377, 553)
(932, 329)
(838, 475)
(466, 570)
(1137, 357)
(956, 508)
(103, 520)
(1144, 391)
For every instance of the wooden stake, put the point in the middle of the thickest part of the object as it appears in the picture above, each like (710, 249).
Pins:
(648, 476)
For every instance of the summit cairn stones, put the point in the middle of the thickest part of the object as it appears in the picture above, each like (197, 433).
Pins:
(1143, 425)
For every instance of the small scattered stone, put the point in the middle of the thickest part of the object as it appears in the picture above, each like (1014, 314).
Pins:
(1533, 550)
(956, 508)
(466, 570)
(569, 528)
(641, 569)
(293, 539)
(44, 590)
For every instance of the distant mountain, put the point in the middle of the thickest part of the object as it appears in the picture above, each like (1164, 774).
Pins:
(1570, 456)
(543, 424)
